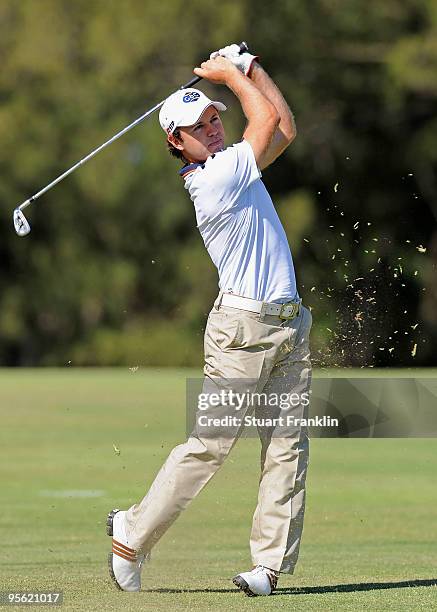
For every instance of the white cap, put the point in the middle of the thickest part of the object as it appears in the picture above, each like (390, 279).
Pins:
(184, 107)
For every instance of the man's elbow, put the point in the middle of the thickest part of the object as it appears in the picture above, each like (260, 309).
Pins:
(274, 119)
(292, 136)
(284, 138)
(290, 132)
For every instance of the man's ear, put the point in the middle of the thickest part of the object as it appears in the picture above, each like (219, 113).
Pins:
(175, 141)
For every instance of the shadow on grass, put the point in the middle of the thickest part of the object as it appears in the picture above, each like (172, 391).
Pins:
(310, 590)
(360, 586)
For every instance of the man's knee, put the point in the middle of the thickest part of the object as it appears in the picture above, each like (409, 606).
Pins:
(208, 450)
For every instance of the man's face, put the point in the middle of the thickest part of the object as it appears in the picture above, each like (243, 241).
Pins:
(205, 137)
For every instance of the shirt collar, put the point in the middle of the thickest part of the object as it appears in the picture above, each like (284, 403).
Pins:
(188, 168)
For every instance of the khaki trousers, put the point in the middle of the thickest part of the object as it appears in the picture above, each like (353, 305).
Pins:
(268, 355)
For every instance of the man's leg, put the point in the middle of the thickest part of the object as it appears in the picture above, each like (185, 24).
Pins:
(191, 465)
(134, 532)
(238, 350)
(278, 519)
(184, 474)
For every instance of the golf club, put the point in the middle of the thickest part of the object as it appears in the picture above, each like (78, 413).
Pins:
(22, 226)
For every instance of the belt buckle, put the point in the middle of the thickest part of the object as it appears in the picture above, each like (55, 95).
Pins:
(294, 311)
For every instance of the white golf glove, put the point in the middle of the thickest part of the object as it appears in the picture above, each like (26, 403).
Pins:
(232, 52)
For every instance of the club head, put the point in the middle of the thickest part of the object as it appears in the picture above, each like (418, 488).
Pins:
(21, 224)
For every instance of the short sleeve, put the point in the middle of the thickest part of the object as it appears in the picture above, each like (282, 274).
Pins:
(227, 174)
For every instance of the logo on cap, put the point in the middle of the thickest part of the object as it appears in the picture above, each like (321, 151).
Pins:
(170, 127)
(191, 96)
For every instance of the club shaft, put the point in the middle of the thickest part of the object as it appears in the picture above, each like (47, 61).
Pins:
(90, 155)
(243, 47)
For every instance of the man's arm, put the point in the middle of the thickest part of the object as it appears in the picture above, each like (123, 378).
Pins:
(247, 64)
(286, 130)
(262, 116)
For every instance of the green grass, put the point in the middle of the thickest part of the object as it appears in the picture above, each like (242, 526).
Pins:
(371, 509)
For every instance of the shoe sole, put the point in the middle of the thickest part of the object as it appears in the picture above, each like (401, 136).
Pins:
(110, 532)
(243, 586)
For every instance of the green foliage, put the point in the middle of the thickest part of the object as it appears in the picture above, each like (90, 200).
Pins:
(114, 270)
(140, 343)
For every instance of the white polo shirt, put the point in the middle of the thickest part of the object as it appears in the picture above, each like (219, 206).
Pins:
(240, 227)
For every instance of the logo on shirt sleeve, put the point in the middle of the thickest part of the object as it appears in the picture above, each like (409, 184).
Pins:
(191, 96)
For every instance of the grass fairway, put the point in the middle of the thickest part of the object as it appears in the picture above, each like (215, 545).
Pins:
(370, 532)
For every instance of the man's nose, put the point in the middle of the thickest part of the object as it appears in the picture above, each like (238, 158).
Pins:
(212, 130)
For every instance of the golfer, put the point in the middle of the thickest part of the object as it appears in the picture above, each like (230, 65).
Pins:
(257, 334)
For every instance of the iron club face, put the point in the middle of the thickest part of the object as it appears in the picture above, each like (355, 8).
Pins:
(21, 224)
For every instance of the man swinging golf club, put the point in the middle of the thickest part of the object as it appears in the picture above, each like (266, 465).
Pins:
(257, 331)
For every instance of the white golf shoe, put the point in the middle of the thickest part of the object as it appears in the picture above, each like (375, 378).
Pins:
(124, 562)
(260, 581)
